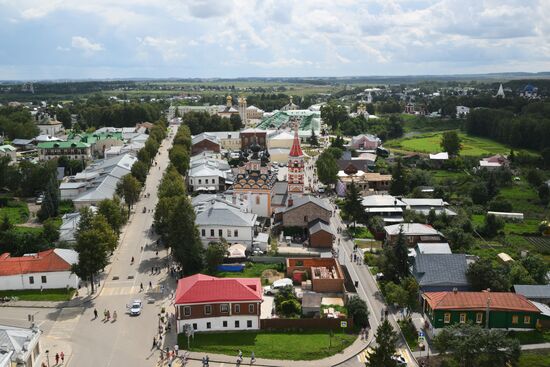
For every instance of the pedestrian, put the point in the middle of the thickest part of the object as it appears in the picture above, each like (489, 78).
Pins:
(56, 358)
(95, 313)
(141, 287)
(154, 342)
(150, 285)
(62, 355)
(157, 253)
(108, 315)
(240, 354)
(105, 314)
(252, 357)
(176, 349)
(152, 269)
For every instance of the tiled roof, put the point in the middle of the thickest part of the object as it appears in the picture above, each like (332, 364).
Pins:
(200, 288)
(45, 261)
(306, 199)
(502, 301)
(62, 144)
(440, 270)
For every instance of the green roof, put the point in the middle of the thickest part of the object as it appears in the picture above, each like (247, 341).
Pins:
(62, 144)
(282, 117)
(7, 147)
(91, 138)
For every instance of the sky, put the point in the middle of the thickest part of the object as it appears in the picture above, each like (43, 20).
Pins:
(78, 39)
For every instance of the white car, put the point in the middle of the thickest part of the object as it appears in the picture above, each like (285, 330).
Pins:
(135, 307)
(276, 286)
(400, 360)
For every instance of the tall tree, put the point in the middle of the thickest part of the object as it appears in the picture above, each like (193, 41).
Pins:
(352, 204)
(401, 253)
(114, 212)
(183, 236)
(399, 181)
(358, 310)
(129, 188)
(179, 157)
(313, 141)
(333, 114)
(382, 354)
(482, 275)
(327, 168)
(215, 254)
(450, 143)
(140, 170)
(50, 203)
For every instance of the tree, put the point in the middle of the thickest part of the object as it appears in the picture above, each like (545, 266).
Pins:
(50, 231)
(382, 354)
(50, 204)
(352, 204)
(395, 294)
(290, 307)
(535, 177)
(471, 346)
(333, 114)
(479, 193)
(140, 170)
(519, 275)
(401, 255)
(129, 188)
(215, 254)
(236, 122)
(450, 143)
(179, 157)
(183, 236)
(338, 142)
(6, 224)
(544, 193)
(398, 184)
(313, 141)
(545, 154)
(358, 310)
(327, 168)
(114, 213)
(483, 275)
(492, 226)
(536, 267)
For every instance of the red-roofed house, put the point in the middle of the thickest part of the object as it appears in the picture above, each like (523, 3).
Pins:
(489, 309)
(208, 303)
(48, 269)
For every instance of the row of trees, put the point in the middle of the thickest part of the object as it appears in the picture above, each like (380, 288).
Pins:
(17, 122)
(199, 122)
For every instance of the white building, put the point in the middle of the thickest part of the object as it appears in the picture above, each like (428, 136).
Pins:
(49, 126)
(220, 219)
(424, 206)
(207, 177)
(462, 111)
(8, 151)
(20, 346)
(49, 269)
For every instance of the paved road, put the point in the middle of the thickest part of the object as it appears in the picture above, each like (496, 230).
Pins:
(90, 342)
(368, 291)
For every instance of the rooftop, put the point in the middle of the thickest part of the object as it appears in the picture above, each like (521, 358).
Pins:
(44, 261)
(200, 288)
(219, 212)
(440, 269)
(533, 291)
(412, 229)
(503, 301)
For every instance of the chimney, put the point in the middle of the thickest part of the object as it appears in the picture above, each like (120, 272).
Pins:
(290, 201)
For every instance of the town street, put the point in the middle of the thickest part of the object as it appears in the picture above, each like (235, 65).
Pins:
(128, 340)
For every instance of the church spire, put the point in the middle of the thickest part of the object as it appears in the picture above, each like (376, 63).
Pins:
(296, 150)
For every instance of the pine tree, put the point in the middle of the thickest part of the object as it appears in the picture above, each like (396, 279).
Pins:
(401, 255)
(313, 141)
(399, 179)
(382, 354)
(352, 204)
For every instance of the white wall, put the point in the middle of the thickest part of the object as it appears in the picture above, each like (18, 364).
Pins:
(245, 237)
(217, 323)
(71, 193)
(212, 181)
(58, 279)
(262, 208)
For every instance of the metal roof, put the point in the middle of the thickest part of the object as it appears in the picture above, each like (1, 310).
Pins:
(533, 291)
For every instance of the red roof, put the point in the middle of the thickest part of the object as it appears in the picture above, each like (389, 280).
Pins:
(296, 151)
(200, 288)
(503, 301)
(45, 261)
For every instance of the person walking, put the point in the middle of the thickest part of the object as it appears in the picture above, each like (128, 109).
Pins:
(176, 349)
(141, 287)
(108, 315)
(114, 315)
(252, 357)
(62, 355)
(56, 358)
(95, 313)
(154, 343)
(150, 285)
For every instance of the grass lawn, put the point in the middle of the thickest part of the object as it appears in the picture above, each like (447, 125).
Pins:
(524, 199)
(527, 226)
(531, 336)
(251, 270)
(284, 345)
(21, 229)
(410, 333)
(360, 232)
(540, 358)
(430, 143)
(375, 245)
(55, 295)
(16, 211)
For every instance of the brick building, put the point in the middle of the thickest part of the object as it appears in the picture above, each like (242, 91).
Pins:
(325, 274)
(304, 210)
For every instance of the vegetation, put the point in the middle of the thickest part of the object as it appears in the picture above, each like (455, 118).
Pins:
(51, 295)
(286, 345)
(286, 303)
(327, 168)
(129, 189)
(382, 353)
(358, 310)
(214, 255)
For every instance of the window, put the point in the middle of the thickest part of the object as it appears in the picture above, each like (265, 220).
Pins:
(237, 324)
(526, 319)
(479, 317)
(251, 308)
(224, 324)
(208, 310)
(200, 181)
(187, 311)
(249, 323)
(203, 232)
(237, 308)
(224, 307)
(228, 233)
(31, 280)
(206, 181)
(515, 319)
(194, 326)
(208, 325)
(220, 232)
(212, 233)
(44, 279)
(447, 318)
(258, 200)
(462, 318)
(236, 233)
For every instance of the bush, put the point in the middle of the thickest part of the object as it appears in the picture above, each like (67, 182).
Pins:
(499, 204)
(358, 310)
(291, 307)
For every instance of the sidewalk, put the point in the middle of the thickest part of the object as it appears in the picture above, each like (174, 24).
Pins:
(523, 347)
(357, 347)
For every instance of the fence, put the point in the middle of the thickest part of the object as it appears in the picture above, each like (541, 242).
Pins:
(306, 324)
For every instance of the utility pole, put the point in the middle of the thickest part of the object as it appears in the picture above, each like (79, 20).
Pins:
(487, 312)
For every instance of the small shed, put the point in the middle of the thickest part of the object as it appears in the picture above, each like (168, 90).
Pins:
(236, 251)
(311, 304)
(320, 235)
(505, 258)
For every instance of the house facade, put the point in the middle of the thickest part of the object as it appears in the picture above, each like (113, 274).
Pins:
(204, 142)
(365, 142)
(70, 149)
(50, 269)
(495, 310)
(304, 210)
(206, 303)
(320, 235)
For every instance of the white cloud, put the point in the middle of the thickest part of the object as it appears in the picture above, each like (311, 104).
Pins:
(171, 49)
(87, 46)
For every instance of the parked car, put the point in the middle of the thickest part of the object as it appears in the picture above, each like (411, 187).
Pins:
(276, 286)
(39, 199)
(400, 360)
(135, 307)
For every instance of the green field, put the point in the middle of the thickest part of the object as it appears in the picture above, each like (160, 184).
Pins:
(251, 270)
(54, 295)
(430, 143)
(283, 345)
(16, 211)
(535, 358)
